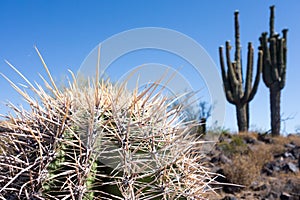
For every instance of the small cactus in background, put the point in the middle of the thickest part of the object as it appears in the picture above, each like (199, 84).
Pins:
(204, 114)
(99, 142)
(274, 68)
(236, 91)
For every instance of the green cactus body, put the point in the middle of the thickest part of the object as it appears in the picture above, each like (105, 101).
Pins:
(274, 68)
(238, 93)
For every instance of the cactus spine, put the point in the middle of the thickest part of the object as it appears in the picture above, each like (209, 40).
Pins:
(274, 68)
(100, 141)
(236, 92)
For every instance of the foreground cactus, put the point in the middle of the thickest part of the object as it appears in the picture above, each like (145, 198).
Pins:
(274, 68)
(99, 142)
(236, 91)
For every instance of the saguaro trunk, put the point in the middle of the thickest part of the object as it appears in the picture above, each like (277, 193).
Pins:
(241, 112)
(275, 109)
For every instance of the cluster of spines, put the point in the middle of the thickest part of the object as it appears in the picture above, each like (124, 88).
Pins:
(99, 142)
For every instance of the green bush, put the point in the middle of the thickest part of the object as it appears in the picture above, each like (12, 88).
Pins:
(234, 145)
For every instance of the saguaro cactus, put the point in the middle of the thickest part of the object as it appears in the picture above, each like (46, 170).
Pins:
(236, 91)
(274, 68)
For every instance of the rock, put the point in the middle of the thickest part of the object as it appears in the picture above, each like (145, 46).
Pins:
(288, 155)
(290, 145)
(296, 152)
(265, 138)
(292, 187)
(277, 169)
(220, 158)
(271, 167)
(275, 195)
(268, 169)
(231, 189)
(229, 198)
(215, 159)
(285, 196)
(224, 159)
(293, 167)
(258, 186)
(249, 140)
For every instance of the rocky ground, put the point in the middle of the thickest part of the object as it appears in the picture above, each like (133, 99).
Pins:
(264, 167)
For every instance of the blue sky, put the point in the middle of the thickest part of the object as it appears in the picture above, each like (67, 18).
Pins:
(66, 31)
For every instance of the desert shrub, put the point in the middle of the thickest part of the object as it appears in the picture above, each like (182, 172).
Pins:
(234, 145)
(241, 171)
(246, 168)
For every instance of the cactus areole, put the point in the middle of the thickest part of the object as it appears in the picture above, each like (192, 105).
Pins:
(236, 91)
(274, 68)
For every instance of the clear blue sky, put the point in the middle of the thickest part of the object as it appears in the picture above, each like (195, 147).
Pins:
(66, 31)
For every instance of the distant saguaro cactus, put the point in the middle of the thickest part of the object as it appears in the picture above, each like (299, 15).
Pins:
(274, 68)
(236, 92)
